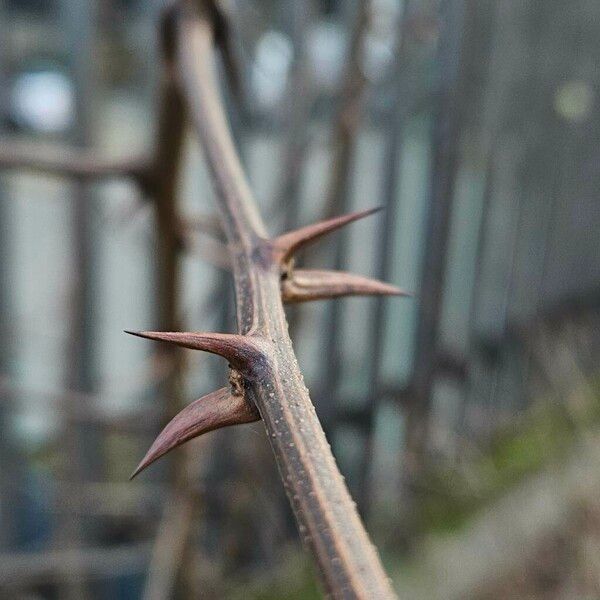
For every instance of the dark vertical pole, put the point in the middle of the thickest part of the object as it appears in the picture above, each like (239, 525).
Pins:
(168, 150)
(480, 377)
(338, 198)
(80, 447)
(300, 101)
(172, 538)
(445, 159)
(7, 479)
(472, 393)
(80, 27)
(384, 245)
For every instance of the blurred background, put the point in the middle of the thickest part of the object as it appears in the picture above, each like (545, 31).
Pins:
(466, 419)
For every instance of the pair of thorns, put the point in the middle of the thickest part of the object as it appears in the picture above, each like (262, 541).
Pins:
(228, 405)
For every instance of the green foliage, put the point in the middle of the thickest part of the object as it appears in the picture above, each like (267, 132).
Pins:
(295, 580)
(451, 494)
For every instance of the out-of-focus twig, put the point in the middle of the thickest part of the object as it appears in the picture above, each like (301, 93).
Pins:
(63, 161)
(172, 538)
(208, 224)
(209, 250)
(169, 547)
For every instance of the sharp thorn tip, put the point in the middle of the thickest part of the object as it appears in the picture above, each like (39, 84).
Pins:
(137, 471)
(136, 333)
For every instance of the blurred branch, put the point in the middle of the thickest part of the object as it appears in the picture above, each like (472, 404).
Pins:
(208, 224)
(87, 407)
(221, 20)
(63, 161)
(169, 547)
(174, 532)
(211, 251)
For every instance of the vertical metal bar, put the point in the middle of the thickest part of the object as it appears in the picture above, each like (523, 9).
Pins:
(79, 450)
(502, 16)
(7, 479)
(471, 393)
(445, 159)
(390, 183)
(338, 198)
(172, 535)
(80, 17)
(300, 101)
(168, 150)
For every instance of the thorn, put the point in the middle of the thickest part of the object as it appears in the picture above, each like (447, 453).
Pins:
(213, 411)
(241, 351)
(287, 244)
(305, 285)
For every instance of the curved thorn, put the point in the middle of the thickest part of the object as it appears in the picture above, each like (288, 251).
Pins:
(241, 351)
(305, 285)
(213, 411)
(287, 244)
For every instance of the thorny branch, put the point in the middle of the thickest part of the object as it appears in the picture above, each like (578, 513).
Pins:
(266, 379)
